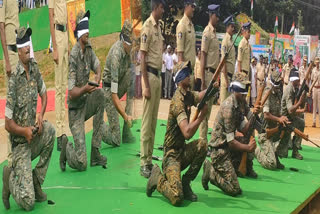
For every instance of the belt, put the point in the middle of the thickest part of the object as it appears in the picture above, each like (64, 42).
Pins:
(317, 87)
(12, 48)
(107, 84)
(260, 80)
(244, 71)
(61, 28)
(152, 70)
(212, 70)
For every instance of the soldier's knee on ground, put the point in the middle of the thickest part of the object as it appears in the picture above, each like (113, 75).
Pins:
(177, 200)
(82, 166)
(233, 191)
(27, 203)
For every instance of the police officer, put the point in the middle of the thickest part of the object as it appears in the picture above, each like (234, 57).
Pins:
(151, 64)
(209, 59)
(316, 89)
(30, 135)
(244, 50)
(228, 68)
(186, 37)
(261, 73)
(116, 82)
(286, 72)
(58, 18)
(177, 154)
(84, 101)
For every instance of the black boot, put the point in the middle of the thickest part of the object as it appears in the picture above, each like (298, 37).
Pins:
(153, 180)
(97, 159)
(145, 171)
(206, 174)
(279, 165)
(5, 188)
(63, 154)
(39, 194)
(296, 154)
(187, 191)
(250, 172)
(59, 142)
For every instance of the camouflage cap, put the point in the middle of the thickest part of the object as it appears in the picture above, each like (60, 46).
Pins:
(242, 78)
(23, 37)
(275, 77)
(126, 32)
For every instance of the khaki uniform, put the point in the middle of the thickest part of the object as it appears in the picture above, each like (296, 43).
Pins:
(209, 45)
(316, 92)
(21, 107)
(244, 54)
(261, 74)
(61, 70)
(84, 107)
(285, 75)
(230, 63)
(152, 44)
(116, 79)
(287, 102)
(9, 15)
(178, 155)
(302, 73)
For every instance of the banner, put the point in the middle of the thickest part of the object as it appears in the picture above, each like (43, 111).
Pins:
(288, 41)
(73, 8)
(258, 50)
(278, 50)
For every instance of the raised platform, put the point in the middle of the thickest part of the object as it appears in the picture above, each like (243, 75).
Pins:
(121, 189)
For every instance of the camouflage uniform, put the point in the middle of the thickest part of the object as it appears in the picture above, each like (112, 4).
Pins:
(117, 79)
(287, 102)
(266, 154)
(177, 154)
(83, 107)
(21, 107)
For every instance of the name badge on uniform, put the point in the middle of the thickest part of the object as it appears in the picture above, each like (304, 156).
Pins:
(1, 3)
(180, 35)
(144, 38)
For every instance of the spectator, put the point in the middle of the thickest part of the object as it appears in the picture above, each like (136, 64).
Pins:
(197, 72)
(168, 76)
(138, 89)
(253, 93)
(163, 71)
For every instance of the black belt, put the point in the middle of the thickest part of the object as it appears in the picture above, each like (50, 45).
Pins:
(212, 70)
(244, 71)
(61, 28)
(12, 48)
(152, 70)
(229, 75)
(107, 84)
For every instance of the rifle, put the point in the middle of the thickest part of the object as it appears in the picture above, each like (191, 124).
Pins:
(211, 90)
(304, 87)
(271, 132)
(243, 164)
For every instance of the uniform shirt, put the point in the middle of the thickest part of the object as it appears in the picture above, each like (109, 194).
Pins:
(229, 119)
(117, 66)
(286, 72)
(314, 75)
(210, 45)
(231, 58)
(253, 81)
(186, 40)
(9, 15)
(179, 110)
(244, 53)
(152, 43)
(60, 11)
(80, 65)
(272, 105)
(22, 97)
(260, 72)
(302, 73)
(288, 99)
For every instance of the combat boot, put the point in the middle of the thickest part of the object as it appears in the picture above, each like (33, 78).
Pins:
(206, 174)
(279, 165)
(187, 191)
(296, 154)
(5, 188)
(250, 172)
(63, 153)
(127, 136)
(97, 159)
(153, 180)
(39, 194)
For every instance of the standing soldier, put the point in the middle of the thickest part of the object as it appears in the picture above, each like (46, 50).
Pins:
(209, 59)
(117, 82)
(225, 142)
(177, 154)
(267, 154)
(303, 70)
(291, 110)
(261, 73)
(316, 90)
(58, 18)
(186, 37)
(9, 23)
(30, 135)
(286, 72)
(84, 101)
(228, 68)
(244, 51)
(151, 64)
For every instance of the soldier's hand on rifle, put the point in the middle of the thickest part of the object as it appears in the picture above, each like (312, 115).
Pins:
(283, 120)
(256, 109)
(203, 112)
(216, 84)
(89, 89)
(147, 93)
(40, 123)
(129, 121)
(28, 134)
(252, 145)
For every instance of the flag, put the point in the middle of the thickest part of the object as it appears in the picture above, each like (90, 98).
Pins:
(251, 8)
(292, 29)
(276, 28)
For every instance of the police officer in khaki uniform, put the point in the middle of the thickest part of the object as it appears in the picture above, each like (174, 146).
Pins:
(151, 64)
(286, 71)
(228, 69)
(244, 50)
(209, 59)
(58, 29)
(261, 73)
(9, 23)
(186, 37)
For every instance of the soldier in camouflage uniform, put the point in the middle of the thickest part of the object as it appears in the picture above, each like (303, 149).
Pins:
(85, 101)
(28, 142)
(225, 143)
(177, 154)
(116, 82)
(292, 110)
(266, 154)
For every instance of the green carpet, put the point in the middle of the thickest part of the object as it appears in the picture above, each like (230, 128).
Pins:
(120, 188)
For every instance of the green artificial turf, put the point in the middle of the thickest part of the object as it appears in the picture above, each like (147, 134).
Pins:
(121, 189)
